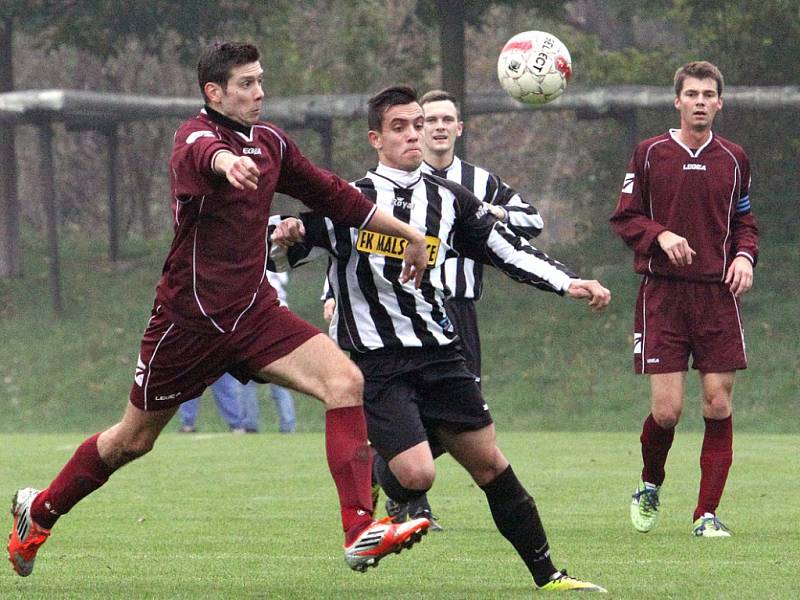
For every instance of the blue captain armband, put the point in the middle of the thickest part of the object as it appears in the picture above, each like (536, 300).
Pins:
(743, 207)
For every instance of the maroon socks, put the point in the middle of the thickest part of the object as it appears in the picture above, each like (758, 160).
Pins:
(350, 463)
(656, 442)
(83, 474)
(715, 462)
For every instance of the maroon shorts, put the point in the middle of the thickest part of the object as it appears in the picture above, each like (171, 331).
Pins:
(176, 365)
(676, 318)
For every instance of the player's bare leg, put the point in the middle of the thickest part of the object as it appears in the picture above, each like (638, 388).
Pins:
(716, 454)
(319, 368)
(666, 398)
(513, 509)
(134, 436)
(94, 461)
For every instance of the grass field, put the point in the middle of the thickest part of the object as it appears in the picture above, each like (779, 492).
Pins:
(221, 516)
(548, 362)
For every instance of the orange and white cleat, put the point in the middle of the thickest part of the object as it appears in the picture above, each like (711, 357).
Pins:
(26, 536)
(382, 538)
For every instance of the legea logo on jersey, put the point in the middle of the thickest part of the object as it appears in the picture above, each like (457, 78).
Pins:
(627, 185)
(251, 150)
(637, 343)
(694, 167)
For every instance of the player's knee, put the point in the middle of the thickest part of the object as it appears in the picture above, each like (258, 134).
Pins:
(486, 468)
(667, 417)
(133, 448)
(417, 477)
(718, 406)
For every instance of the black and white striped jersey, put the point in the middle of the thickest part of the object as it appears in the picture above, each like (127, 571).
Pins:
(374, 310)
(464, 276)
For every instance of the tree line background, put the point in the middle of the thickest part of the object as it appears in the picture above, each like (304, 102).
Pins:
(568, 166)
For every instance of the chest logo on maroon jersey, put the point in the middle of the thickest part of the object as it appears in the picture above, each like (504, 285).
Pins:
(694, 167)
(251, 150)
(195, 135)
(627, 185)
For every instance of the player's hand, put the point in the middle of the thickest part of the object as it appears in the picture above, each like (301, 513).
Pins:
(740, 276)
(240, 171)
(598, 296)
(676, 248)
(328, 309)
(289, 232)
(415, 259)
(243, 173)
(498, 211)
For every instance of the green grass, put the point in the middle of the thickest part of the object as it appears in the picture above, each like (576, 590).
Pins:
(548, 362)
(220, 516)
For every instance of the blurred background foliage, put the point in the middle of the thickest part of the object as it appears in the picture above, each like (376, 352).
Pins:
(569, 167)
(341, 46)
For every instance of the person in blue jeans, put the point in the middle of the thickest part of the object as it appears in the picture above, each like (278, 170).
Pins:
(284, 403)
(239, 408)
(237, 405)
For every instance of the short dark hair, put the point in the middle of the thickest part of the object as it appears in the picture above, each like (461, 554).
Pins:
(218, 59)
(699, 69)
(384, 100)
(439, 96)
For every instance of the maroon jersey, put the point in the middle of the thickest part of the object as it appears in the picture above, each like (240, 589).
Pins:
(701, 195)
(216, 268)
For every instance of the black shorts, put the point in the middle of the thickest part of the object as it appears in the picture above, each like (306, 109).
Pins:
(464, 317)
(411, 391)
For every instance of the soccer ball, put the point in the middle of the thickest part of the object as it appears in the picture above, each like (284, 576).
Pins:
(534, 67)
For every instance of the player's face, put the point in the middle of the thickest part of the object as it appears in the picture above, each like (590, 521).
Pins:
(442, 127)
(698, 103)
(399, 143)
(241, 98)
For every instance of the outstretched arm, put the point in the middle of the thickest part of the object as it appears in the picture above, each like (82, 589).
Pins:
(527, 264)
(481, 237)
(598, 296)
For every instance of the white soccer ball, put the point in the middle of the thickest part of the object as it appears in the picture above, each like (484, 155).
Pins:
(534, 67)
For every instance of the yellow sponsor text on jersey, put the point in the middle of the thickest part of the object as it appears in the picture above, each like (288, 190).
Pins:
(389, 245)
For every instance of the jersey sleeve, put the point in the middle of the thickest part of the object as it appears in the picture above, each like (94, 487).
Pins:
(481, 237)
(629, 219)
(525, 263)
(316, 242)
(744, 226)
(321, 190)
(196, 145)
(521, 217)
